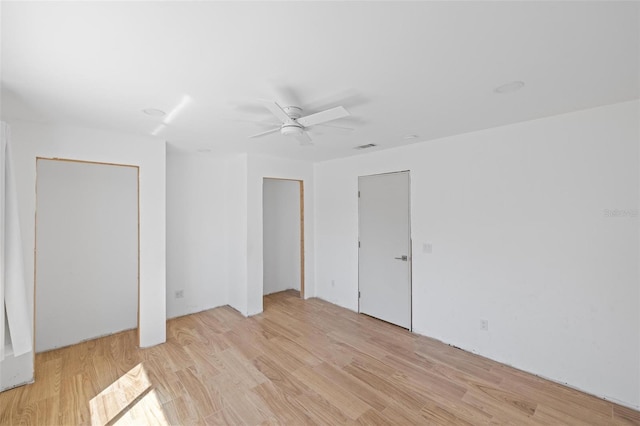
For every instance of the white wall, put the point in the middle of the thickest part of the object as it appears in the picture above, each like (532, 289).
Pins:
(281, 235)
(196, 233)
(87, 251)
(34, 140)
(258, 168)
(517, 220)
(236, 233)
(240, 193)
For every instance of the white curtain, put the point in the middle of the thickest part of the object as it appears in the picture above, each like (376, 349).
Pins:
(13, 294)
(3, 145)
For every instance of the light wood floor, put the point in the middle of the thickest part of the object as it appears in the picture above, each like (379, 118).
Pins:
(299, 362)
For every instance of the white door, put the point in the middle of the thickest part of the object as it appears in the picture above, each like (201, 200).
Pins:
(384, 262)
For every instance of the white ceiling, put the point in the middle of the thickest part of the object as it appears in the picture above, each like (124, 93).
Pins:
(400, 68)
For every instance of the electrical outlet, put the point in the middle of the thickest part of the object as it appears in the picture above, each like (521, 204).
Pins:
(179, 294)
(484, 325)
(426, 248)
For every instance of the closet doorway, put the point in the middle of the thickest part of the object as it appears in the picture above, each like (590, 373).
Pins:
(283, 235)
(87, 251)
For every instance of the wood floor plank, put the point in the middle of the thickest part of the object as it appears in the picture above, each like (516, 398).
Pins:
(407, 398)
(108, 404)
(504, 404)
(198, 392)
(246, 343)
(181, 410)
(437, 414)
(400, 415)
(321, 411)
(293, 349)
(280, 376)
(147, 411)
(280, 405)
(246, 407)
(350, 405)
(76, 392)
(340, 378)
(10, 407)
(567, 403)
(625, 416)
(299, 362)
(203, 361)
(372, 418)
(48, 409)
(233, 364)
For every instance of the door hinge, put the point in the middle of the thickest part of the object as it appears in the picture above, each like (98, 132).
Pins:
(358, 244)
(358, 295)
(358, 194)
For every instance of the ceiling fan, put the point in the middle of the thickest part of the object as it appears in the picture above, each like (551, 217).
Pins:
(294, 124)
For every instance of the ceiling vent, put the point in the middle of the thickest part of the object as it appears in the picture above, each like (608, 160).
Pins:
(367, 146)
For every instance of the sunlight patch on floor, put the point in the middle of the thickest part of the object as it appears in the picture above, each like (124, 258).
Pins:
(128, 400)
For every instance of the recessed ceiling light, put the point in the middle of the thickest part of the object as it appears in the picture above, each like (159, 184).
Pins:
(509, 87)
(411, 137)
(203, 150)
(154, 112)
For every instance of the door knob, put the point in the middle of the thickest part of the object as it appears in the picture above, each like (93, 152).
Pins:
(403, 258)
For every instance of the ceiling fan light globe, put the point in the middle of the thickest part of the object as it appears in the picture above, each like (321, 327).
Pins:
(291, 130)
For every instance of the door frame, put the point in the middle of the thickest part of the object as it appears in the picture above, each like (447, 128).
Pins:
(35, 237)
(301, 191)
(408, 171)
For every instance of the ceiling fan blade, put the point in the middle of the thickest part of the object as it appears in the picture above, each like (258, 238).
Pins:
(277, 129)
(323, 116)
(276, 110)
(347, 98)
(304, 139)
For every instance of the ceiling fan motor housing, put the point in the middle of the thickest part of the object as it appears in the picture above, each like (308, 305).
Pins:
(293, 111)
(292, 128)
